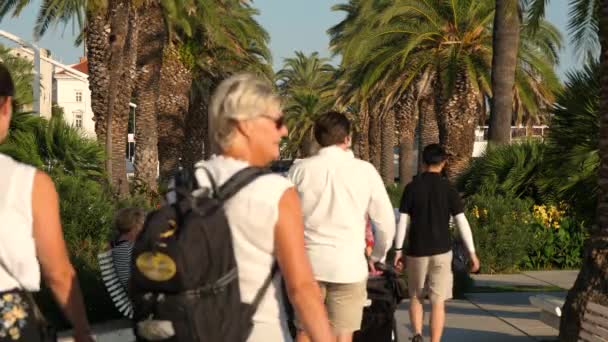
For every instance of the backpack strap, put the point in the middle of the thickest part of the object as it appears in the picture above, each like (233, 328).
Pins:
(238, 181)
(262, 291)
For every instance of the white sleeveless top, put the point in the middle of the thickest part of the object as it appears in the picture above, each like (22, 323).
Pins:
(17, 248)
(252, 214)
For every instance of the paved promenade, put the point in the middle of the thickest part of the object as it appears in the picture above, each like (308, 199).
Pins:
(482, 317)
(501, 316)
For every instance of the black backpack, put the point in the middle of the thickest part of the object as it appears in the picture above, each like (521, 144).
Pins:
(184, 280)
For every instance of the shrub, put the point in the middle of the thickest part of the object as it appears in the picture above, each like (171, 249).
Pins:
(560, 239)
(86, 213)
(508, 170)
(503, 230)
(572, 158)
(394, 193)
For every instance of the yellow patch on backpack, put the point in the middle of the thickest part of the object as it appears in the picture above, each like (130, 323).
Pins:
(156, 266)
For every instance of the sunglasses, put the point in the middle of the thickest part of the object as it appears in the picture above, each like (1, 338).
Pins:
(278, 122)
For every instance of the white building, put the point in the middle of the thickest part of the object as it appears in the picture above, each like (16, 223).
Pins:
(72, 94)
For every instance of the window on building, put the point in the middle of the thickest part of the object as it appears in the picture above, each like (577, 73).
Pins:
(78, 119)
(78, 95)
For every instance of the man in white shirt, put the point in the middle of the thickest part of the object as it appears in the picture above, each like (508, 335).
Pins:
(338, 191)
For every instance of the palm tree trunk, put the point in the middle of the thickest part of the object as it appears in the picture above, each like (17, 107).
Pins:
(173, 106)
(592, 281)
(122, 39)
(504, 61)
(387, 164)
(361, 136)
(309, 145)
(457, 125)
(98, 57)
(428, 129)
(405, 110)
(375, 140)
(150, 52)
(198, 126)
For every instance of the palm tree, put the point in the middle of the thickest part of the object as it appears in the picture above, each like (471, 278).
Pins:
(308, 85)
(110, 30)
(575, 160)
(226, 39)
(452, 42)
(53, 146)
(504, 63)
(150, 47)
(583, 25)
(21, 71)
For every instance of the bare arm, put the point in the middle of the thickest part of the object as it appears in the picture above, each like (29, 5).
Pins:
(302, 289)
(53, 256)
(381, 213)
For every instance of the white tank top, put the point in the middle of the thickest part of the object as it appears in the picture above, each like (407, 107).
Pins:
(252, 214)
(17, 248)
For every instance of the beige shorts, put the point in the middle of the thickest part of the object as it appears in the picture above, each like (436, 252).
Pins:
(432, 274)
(344, 304)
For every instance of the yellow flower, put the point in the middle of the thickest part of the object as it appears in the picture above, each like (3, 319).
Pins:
(15, 333)
(9, 319)
(18, 312)
(475, 212)
(8, 297)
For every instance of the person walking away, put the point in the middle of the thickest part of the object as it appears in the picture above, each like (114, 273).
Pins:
(264, 216)
(31, 241)
(426, 206)
(338, 192)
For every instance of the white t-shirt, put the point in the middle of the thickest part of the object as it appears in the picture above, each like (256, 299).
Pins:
(252, 214)
(17, 247)
(338, 191)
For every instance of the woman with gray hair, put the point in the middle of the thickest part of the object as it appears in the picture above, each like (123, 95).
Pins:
(265, 218)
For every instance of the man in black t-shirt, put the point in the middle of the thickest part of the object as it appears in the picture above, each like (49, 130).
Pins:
(427, 204)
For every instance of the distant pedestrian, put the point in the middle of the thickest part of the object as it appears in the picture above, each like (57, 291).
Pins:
(426, 206)
(339, 192)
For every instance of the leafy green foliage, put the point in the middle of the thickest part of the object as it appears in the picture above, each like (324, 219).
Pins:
(387, 45)
(503, 229)
(583, 23)
(75, 163)
(308, 85)
(22, 73)
(560, 248)
(53, 146)
(86, 214)
(563, 168)
(507, 170)
(394, 193)
(572, 158)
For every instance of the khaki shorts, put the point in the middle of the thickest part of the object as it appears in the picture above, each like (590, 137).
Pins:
(432, 274)
(344, 304)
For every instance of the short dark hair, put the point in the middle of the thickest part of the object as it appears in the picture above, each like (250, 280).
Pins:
(331, 129)
(434, 154)
(7, 87)
(129, 219)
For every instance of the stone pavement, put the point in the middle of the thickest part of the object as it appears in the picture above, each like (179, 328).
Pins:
(562, 279)
(495, 317)
(482, 317)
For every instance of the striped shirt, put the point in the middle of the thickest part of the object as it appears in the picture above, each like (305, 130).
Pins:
(121, 253)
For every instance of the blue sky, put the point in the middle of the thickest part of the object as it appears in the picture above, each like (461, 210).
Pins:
(292, 24)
